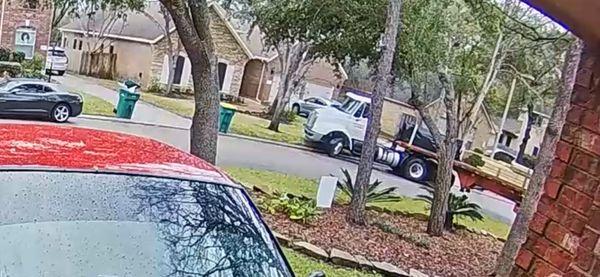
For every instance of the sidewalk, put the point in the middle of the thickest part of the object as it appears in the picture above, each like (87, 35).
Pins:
(143, 112)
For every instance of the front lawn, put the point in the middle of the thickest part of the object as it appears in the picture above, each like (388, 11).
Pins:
(274, 181)
(93, 105)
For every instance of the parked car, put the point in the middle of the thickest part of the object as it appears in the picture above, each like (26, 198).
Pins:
(305, 106)
(31, 97)
(83, 202)
(56, 61)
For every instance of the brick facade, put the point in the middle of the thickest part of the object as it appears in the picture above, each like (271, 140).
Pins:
(227, 51)
(21, 13)
(564, 234)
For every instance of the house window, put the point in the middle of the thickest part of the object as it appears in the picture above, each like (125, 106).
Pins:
(80, 44)
(75, 44)
(64, 44)
(25, 41)
(111, 49)
(536, 151)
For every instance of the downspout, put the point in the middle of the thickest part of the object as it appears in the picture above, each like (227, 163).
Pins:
(262, 74)
(2, 19)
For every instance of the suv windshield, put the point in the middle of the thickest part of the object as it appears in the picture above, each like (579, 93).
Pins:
(57, 53)
(86, 224)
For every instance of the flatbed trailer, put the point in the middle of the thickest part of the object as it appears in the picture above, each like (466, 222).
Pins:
(502, 179)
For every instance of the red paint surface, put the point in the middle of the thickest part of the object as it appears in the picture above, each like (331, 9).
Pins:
(72, 148)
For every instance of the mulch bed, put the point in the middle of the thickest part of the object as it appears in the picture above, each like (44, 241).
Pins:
(460, 253)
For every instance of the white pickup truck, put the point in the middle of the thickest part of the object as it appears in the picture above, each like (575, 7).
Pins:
(336, 128)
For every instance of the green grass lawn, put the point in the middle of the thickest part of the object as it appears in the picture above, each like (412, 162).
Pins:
(93, 105)
(304, 265)
(271, 181)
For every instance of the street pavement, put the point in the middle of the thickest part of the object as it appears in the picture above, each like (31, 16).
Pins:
(239, 152)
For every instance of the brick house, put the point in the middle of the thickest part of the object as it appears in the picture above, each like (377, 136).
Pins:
(26, 25)
(141, 49)
(563, 237)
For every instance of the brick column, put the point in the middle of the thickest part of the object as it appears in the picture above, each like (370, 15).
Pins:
(563, 236)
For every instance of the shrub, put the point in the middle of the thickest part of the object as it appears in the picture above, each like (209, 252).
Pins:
(478, 151)
(297, 208)
(12, 68)
(155, 87)
(33, 68)
(374, 192)
(475, 160)
(416, 239)
(457, 206)
(529, 161)
(7, 55)
(289, 116)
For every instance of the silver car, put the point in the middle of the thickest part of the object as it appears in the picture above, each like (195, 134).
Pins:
(304, 107)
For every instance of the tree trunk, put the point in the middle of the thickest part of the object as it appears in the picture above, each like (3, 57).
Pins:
(382, 84)
(297, 62)
(526, 134)
(447, 147)
(170, 53)
(191, 19)
(518, 232)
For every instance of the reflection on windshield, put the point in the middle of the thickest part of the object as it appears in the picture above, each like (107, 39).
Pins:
(210, 230)
(349, 105)
(83, 224)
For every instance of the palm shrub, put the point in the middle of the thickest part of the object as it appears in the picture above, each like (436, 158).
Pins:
(374, 192)
(458, 206)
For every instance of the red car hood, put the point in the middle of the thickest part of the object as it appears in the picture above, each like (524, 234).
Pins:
(35, 146)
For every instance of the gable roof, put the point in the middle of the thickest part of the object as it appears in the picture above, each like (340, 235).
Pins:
(138, 27)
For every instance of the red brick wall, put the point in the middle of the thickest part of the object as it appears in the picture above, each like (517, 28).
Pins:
(15, 16)
(563, 236)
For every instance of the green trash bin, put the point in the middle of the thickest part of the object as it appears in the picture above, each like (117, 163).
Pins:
(226, 113)
(127, 98)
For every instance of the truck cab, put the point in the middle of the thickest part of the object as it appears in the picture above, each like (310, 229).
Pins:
(337, 128)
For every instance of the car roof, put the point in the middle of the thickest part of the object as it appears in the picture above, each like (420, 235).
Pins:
(26, 146)
(24, 81)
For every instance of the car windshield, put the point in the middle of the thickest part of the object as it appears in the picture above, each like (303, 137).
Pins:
(90, 224)
(7, 85)
(349, 105)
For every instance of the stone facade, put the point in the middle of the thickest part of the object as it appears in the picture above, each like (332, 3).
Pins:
(227, 50)
(28, 14)
(563, 236)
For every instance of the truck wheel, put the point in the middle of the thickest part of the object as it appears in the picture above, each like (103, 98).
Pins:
(416, 170)
(335, 146)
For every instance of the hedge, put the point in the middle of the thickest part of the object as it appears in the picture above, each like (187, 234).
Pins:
(14, 69)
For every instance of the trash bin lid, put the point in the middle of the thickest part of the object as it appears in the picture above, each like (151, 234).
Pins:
(229, 106)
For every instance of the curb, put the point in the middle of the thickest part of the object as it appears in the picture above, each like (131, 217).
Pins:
(129, 121)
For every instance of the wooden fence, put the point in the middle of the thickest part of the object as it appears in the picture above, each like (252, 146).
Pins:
(98, 65)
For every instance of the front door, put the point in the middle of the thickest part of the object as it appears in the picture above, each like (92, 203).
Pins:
(222, 68)
(178, 70)
(358, 126)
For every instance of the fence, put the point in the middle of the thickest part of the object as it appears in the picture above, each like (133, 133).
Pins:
(98, 65)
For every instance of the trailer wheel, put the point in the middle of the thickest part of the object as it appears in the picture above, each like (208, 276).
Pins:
(416, 169)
